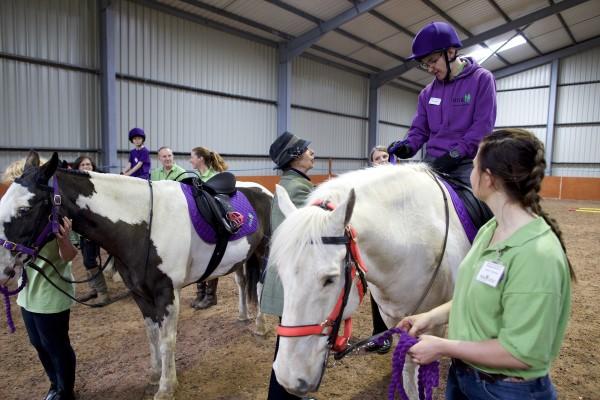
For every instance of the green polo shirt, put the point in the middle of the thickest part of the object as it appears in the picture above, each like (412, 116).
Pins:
(38, 295)
(528, 310)
(176, 172)
(209, 173)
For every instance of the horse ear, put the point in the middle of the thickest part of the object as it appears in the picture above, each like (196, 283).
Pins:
(32, 160)
(283, 201)
(343, 213)
(48, 169)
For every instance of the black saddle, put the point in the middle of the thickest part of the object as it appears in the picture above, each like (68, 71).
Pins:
(479, 212)
(222, 183)
(213, 200)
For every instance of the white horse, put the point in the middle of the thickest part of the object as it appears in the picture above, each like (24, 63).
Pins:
(398, 213)
(148, 231)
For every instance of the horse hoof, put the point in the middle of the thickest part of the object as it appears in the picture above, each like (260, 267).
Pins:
(163, 396)
(150, 390)
(259, 332)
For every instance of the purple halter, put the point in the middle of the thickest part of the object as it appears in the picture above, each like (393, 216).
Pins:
(51, 227)
(428, 376)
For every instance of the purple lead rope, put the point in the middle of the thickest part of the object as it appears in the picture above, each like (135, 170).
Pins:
(428, 375)
(6, 294)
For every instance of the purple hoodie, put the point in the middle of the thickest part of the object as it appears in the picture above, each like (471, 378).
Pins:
(456, 114)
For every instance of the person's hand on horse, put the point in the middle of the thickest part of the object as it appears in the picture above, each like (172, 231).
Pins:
(64, 229)
(416, 324)
(400, 149)
(428, 349)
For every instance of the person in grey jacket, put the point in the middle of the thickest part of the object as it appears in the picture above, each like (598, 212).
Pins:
(293, 156)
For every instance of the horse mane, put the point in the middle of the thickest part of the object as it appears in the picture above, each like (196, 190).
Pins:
(367, 181)
(307, 226)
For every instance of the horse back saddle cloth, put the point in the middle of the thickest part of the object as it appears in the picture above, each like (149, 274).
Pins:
(218, 209)
(472, 212)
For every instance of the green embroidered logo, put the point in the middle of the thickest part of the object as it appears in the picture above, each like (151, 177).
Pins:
(467, 98)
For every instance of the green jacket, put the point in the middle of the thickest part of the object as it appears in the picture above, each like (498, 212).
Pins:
(298, 187)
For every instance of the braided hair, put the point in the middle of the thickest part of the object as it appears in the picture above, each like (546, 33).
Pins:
(211, 158)
(516, 156)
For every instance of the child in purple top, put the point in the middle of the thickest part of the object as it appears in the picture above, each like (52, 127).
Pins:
(139, 157)
(455, 111)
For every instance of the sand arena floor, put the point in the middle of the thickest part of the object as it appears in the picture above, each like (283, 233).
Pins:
(219, 358)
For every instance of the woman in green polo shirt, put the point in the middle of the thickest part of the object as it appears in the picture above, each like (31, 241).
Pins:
(512, 299)
(46, 310)
(208, 163)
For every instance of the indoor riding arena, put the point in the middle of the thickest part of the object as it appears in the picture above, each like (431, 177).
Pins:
(91, 77)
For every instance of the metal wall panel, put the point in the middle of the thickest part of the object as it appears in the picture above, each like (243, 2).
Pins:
(59, 30)
(580, 68)
(523, 107)
(580, 144)
(7, 157)
(331, 135)
(48, 107)
(539, 76)
(579, 170)
(579, 103)
(165, 48)
(183, 120)
(324, 87)
(397, 105)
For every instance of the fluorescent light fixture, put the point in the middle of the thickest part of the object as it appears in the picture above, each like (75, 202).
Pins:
(483, 53)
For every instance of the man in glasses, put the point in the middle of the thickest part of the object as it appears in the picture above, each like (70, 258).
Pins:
(455, 111)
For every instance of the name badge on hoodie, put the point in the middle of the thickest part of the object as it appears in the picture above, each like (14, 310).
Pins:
(436, 101)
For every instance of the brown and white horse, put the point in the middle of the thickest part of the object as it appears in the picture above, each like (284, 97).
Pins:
(147, 230)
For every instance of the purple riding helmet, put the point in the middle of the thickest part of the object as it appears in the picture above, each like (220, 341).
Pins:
(136, 132)
(434, 37)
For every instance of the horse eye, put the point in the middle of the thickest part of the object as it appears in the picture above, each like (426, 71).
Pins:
(328, 281)
(22, 211)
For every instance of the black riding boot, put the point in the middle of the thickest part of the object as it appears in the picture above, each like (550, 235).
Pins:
(200, 295)
(211, 295)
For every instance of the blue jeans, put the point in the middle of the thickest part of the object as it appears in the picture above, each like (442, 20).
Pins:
(466, 384)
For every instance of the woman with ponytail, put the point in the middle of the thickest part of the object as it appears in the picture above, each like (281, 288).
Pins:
(512, 299)
(208, 163)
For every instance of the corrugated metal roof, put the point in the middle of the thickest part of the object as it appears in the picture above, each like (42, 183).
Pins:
(552, 40)
(370, 28)
(340, 43)
(322, 9)
(475, 13)
(269, 14)
(375, 58)
(391, 26)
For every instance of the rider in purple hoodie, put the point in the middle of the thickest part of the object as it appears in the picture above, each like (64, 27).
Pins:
(455, 111)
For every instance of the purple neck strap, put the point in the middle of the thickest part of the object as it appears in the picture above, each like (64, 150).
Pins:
(428, 376)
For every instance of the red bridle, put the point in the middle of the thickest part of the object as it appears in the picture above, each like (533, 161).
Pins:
(355, 271)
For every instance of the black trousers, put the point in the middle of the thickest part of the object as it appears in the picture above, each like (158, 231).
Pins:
(90, 252)
(461, 173)
(378, 324)
(49, 335)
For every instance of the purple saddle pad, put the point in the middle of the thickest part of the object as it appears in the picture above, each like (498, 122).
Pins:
(463, 214)
(239, 202)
